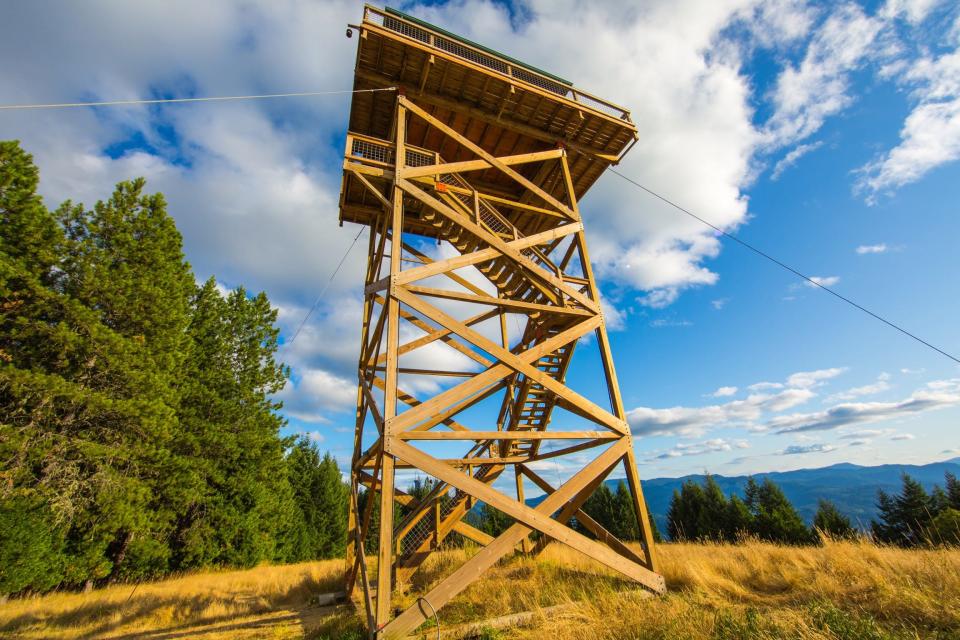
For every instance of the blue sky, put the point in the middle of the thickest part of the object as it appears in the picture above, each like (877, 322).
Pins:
(824, 133)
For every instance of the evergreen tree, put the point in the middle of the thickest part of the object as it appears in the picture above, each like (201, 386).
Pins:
(953, 490)
(625, 525)
(84, 416)
(945, 528)
(684, 514)
(602, 507)
(321, 498)
(773, 517)
(830, 521)
(905, 518)
(737, 521)
(232, 494)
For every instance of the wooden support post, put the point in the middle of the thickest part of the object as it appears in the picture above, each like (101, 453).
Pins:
(525, 544)
(385, 564)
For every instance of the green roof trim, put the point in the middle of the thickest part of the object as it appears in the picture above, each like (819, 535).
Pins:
(427, 25)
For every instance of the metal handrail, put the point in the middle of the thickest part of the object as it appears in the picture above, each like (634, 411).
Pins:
(489, 60)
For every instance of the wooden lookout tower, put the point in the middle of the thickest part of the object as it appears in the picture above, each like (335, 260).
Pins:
(486, 157)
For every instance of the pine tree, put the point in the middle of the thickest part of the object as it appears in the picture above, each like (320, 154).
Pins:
(713, 514)
(905, 519)
(81, 402)
(737, 520)
(953, 490)
(321, 497)
(232, 494)
(828, 520)
(773, 517)
(602, 507)
(625, 524)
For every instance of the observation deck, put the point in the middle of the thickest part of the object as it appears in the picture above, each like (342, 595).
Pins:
(503, 105)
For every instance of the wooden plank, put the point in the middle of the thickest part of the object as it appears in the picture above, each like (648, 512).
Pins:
(480, 151)
(584, 518)
(474, 534)
(496, 373)
(591, 410)
(508, 435)
(476, 165)
(496, 302)
(456, 582)
(465, 260)
(529, 516)
(499, 244)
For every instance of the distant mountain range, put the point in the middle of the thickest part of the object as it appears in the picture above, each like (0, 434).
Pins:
(851, 487)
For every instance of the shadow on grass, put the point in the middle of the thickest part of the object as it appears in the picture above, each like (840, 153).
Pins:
(102, 619)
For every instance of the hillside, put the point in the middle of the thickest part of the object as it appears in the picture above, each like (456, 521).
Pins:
(750, 591)
(853, 488)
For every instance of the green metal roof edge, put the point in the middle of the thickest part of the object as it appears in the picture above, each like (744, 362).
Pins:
(424, 23)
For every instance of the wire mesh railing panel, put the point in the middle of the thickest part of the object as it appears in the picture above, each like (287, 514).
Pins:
(369, 150)
(538, 80)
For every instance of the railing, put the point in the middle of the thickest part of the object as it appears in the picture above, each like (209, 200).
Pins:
(512, 69)
(369, 150)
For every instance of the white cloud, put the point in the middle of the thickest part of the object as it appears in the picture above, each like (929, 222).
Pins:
(872, 248)
(865, 433)
(904, 436)
(316, 393)
(715, 445)
(881, 384)
(723, 392)
(810, 379)
(807, 94)
(792, 157)
(913, 10)
(823, 281)
(746, 413)
(800, 449)
(938, 394)
(930, 135)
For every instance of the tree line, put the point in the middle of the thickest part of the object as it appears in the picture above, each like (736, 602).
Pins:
(138, 430)
(910, 518)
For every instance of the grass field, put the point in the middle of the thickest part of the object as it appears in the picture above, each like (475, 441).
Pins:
(844, 590)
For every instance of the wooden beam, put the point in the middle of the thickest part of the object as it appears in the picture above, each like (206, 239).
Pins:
(498, 243)
(529, 516)
(456, 582)
(457, 262)
(508, 435)
(507, 303)
(591, 410)
(480, 151)
(584, 518)
(476, 165)
(494, 374)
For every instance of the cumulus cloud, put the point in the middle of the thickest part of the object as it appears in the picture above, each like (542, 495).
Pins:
(714, 445)
(809, 379)
(904, 436)
(939, 394)
(881, 384)
(745, 413)
(930, 135)
(316, 393)
(818, 87)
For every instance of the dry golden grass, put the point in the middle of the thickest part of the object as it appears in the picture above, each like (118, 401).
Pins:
(265, 602)
(844, 590)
